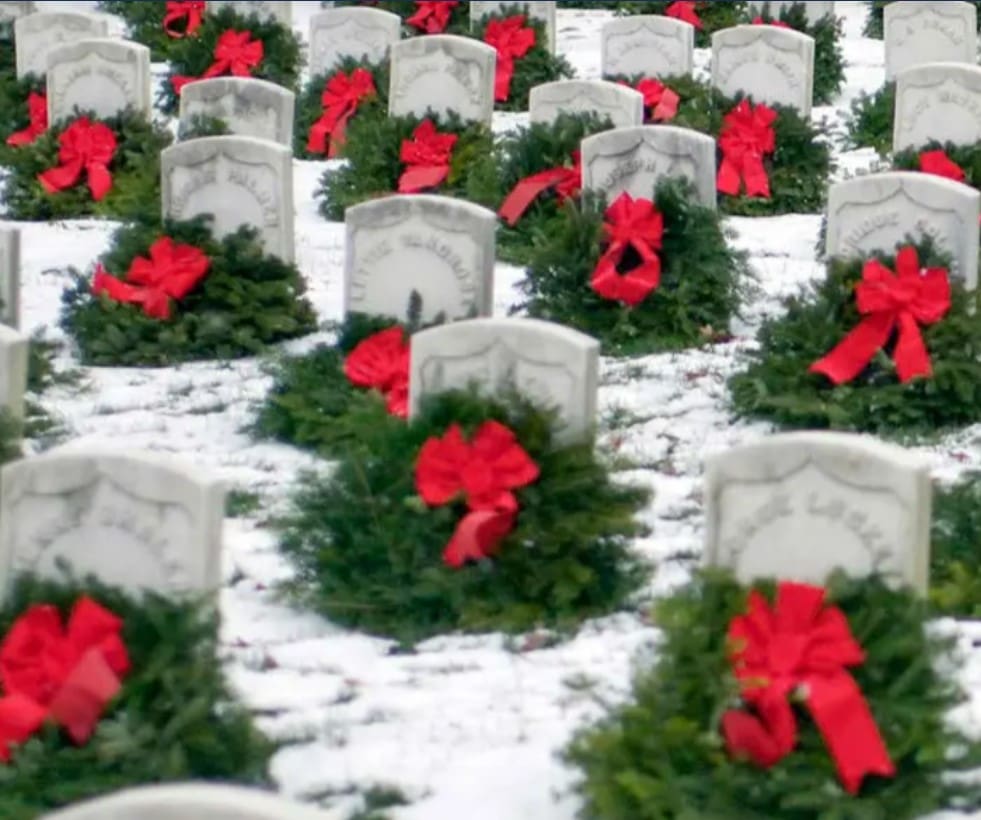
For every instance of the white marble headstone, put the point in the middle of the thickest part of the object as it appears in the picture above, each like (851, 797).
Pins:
(104, 76)
(444, 73)
(137, 521)
(917, 32)
(816, 11)
(240, 180)
(10, 277)
(441, 248)
(877, 212)
(772, 65)
(351, 32)
(937, 101)
(249, 107)
(651, 45)
(11, 11)
(797, 507)
(14, 349)
(636, 159)
(623, 105)
(538, 9)
(36, 34)
(277, 10)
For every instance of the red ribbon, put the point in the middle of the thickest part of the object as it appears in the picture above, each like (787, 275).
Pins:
(66, 675)
(192, 12)
(37, 110)
(427, 156)
(432, 17)
(566, 182)
(171, 272)
(759, 21)
(512, 40)
(235, 53)
(801, 647)
(630, 224)
(381, 362)
(939, 164)
(747, 136)
(342, 96)
(85, 146)
(685, 11)
(891, 302)
(660, 102)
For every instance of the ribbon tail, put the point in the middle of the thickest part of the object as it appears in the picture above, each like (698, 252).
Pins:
(317, 142)
(81, 700)
(21, 138)
(338, 137)
(420, 177)
(100, 180)
(60, 178)
(911, 356)
(20, 717)
(754, 175)
(526, 192)
(667, 108)
(477, 536)
(856, 350)
(729, 179)
(502, 79)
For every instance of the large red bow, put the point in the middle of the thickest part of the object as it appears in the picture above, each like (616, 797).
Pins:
(432, 17)
(513, 40)
(381, 362)
(37, 111)
(235, 53)
(685, 11)
(484, 472)
(566, 182)
(747, 136)
(67, 675)
(891, 302)
(660, 102)
(630, 224)
(85, 146)
(341, 97)
(171, 272)
(191, 12)
(801, 647)
(427, 156)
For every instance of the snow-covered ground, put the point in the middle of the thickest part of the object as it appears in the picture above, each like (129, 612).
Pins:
(466, 726)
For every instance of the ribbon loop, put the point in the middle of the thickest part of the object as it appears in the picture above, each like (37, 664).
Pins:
(686, 11)
(381, 362)
(342, 96)
(566, 182)
(191, 13)
(235, 53)
(630, 224)
(37, 112)
(427, 157)
(84, 146)
(747, 137)
(512, 40)
(432, 17)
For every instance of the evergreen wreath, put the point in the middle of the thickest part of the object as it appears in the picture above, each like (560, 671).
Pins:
(144, 24)
(245, 302)
(684, 311)
(369, 552)
(458, 23)
(871, 119)
(175, 718)
(874, 23)
(959, 162)
(696, 106)
(661, 755)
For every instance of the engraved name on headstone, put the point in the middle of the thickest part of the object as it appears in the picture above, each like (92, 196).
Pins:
(361, 34)
(937, 101)
(105, 76)
(249, 107)
(623, 105)
(651, 45)
(917, 32)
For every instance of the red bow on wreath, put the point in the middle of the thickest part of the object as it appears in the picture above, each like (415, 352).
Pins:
(85, 146)
(427, 156)
(801, 647)
(484, 472)
(566, 182)
(939, 164)
(381, 362)
(37, 111)
(171, 272)
(631, 224)
(747, 136)
(66, 675)
(341, 97)
(513, 40)
(432, 17)
(235, 53)
(891, 302)
(684, 11)
(191, 12)
(759, 21)
(660, 102)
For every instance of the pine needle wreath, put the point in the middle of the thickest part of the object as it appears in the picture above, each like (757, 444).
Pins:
(696, 109)
(247, 301)
(175, 719)
(144, 24)
(686, 310)
(368, 552)
(661, 756)
(14, 94)
(870, 121)
(459, 16)
(966, 157)
(875, 22)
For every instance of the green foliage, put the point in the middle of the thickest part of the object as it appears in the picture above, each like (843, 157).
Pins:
(702, 278)
(968, 157)
(135, 170)
(661, 755)
(8, 55)
(368, 552)
(874, 22)
(955, 574)
(144, 24)
(871, 118)
(714, 15)
(248, 301)
(697, 107)
(459, 18)
(13, 102)
(175, 719)
(11, 433)
(202, 125)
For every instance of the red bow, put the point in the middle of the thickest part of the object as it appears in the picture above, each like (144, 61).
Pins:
(432, 17)
(684, 11)
(660, 102)
(512, 40)
(66, 675)
(235, 53)
(341, 97)
(484, 472)
(747, 136)
(37, 110)
(381, 362)
(759, 21)
(172, 271)
(939, 164)
(427, 156)
(801, 647)
(85, 146)
(890, 302)
(192, 12)
(566, 182)
(630, 223)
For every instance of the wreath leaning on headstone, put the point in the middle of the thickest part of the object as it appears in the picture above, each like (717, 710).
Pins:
(157, 25)
(960, 163)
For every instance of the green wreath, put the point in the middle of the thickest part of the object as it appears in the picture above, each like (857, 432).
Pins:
(966, 157)
(144, 24)
(871, 119)
(247, 301)
(874, 23)
(696, 109)
(661, 755)
(174, 720)
(459, 16)
(14, 95)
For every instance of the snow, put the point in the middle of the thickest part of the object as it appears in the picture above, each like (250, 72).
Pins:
(465, 726)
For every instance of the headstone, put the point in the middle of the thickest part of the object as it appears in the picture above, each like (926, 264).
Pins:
(545, 362)
(651, 45)
(137, 521)
(441, 248)
(240, 180)
(917, 32)
(36, 34)
(11, 11)
(10, 277)
(879, 211)
(104, 76)
(623, 105)
(772, 65)
(13, 371)
(362, 34)
(544, 11)
(816, 11)
(937, 101)
(636, 159)
(249, 107)
(796, 507)
(277, 10)
(442, 73)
